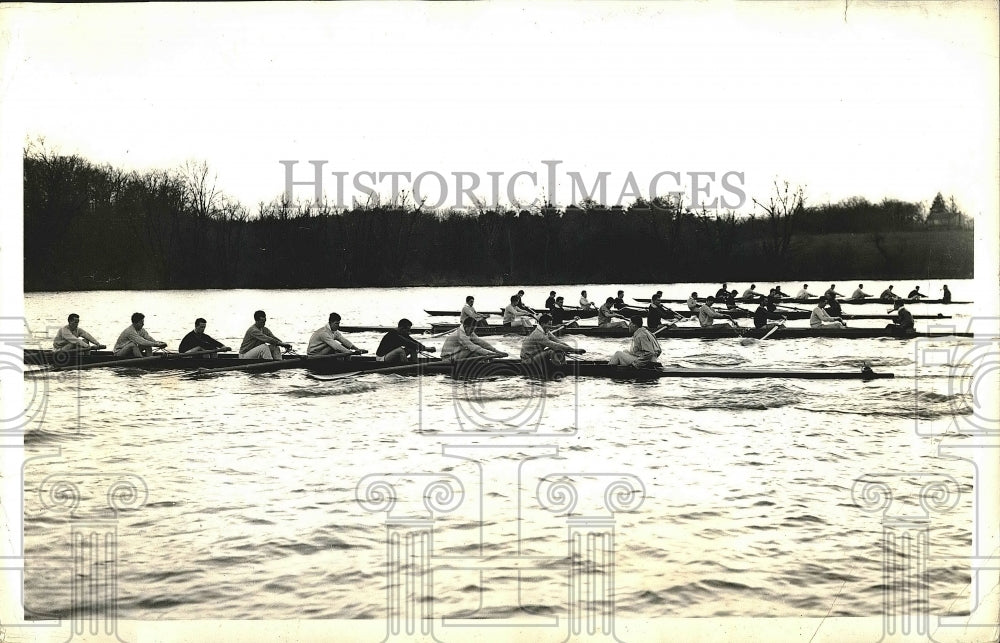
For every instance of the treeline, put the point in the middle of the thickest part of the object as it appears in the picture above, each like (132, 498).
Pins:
(89, 226)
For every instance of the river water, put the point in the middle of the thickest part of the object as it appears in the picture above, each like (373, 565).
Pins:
(237, 496)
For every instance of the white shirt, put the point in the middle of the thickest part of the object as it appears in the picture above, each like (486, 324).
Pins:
(803, 294)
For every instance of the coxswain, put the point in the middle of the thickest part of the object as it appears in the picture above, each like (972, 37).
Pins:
(328, 339)
(706, 314)
(515, 315)
(463, 343)
(820, 319)
(644, 349)
(198, 341)
(541, 346)
(945, 295)
(72, 338)
(134, 341)
(902, 324)
(606, 316)
(259, 342)
(397, 347)
(468, 310)
(860, 293)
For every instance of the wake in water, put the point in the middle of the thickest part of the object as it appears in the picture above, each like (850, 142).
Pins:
(323, 390)
(765, 396)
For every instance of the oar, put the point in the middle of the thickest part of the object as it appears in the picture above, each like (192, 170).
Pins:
(274, 364)
(393, 369)
(443, 333)
(776, 327)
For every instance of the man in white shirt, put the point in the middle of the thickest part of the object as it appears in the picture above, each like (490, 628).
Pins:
(515, 316)
(469, 311)
(750, 293)
(692, 302)
(821, 319)
(585, 304)
(73, 338)
(859, 293)
(328, 339)
(804, 293)
(463, 343)
(541, 345)
(706, 315)
(644, 349)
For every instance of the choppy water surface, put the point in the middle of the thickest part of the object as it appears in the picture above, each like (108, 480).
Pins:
(252, 479)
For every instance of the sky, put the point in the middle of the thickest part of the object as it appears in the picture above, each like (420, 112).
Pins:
(879, 101)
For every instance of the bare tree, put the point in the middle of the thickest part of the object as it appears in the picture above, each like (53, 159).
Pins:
(201, 196)
(781, 210)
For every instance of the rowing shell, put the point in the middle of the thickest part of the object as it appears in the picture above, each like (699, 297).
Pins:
(494, 368)
(715, 332)
(572, 312)
(815, 300)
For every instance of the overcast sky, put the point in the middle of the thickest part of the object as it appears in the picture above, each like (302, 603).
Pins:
(873, 100)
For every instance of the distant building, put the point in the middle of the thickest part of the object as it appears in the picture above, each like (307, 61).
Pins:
(944, 219)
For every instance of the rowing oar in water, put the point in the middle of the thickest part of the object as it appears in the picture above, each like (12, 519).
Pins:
(275, 365)
(132, 361)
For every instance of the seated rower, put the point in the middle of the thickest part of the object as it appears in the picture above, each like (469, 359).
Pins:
(515, 316)
(706, 314)
(72, 338)
(656, 312)
(468, 310)
(134, 341)
(945, 295)
(820, 319)
(915, 294)
(730, 300)
(551, 301)
(606, 316)
(586, 304)
(198, 341)
(259, 342)
(888, 296)
(397, 347)
(463, 343)
(860, 293)
(328, 340)
(804, 293)
(750, 293)
(620, 300)
(765, 311)
(831, 292)
(541, 346)
(692, 302)
(520, 302)
(778, 294)
(560, 315)
(722, 292)
(903, 322)
(643, 351)
(833, 307)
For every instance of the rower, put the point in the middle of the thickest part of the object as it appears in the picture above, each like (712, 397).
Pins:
(551, 301)
(541, 346)
(643, 351)
(328, 340)
(750, 293)
(860, 293)
(902, 324)
(71, 338)
(945, 295)
(198, 341)
(468, 310)
(820, 319)
(559, 313)
(520, 303)
(831, 292)
(804, 293)
(765, 311)
(722, 292)
(730, 300)
(463, 343)
(916, 294)
(134, 341)
(397, 347)
(586, 304)
(706, 314)
(620, 300)
(259, 342)
(656, 312)
(606, 316)
(778, 294)
(833, 307)
(692, 302)
(888, 296)
(514, 315)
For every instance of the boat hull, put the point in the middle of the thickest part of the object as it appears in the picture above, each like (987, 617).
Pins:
(717, 332)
